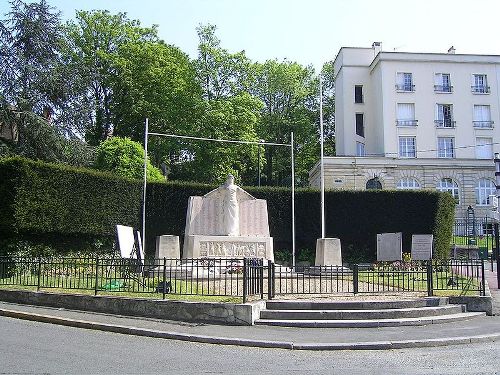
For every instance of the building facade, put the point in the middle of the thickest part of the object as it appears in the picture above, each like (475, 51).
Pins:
(416, 121)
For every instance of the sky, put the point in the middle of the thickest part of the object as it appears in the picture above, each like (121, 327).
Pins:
(312, 31)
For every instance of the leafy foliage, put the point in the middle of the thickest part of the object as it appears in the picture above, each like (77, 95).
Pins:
(125, 158)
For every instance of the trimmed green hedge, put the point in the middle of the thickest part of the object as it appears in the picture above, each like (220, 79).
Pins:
(58, 204)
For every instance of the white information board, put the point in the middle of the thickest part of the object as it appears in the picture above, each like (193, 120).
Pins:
(126, 241)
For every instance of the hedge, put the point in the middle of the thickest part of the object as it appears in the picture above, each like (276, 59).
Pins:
(61, 204)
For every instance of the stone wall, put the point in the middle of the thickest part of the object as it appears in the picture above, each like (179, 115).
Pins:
(210, 312)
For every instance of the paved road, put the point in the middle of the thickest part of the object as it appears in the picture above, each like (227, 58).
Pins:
(31, 347)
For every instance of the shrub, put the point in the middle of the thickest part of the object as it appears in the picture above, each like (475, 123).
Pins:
(71, 207)
(125, 157)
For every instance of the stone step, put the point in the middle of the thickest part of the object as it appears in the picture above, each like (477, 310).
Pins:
(370, 323)
(355, 305)
(398, 313)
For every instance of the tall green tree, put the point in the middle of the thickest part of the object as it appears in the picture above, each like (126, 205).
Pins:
(95, 38)
(32, 86)
(221, 73)
(328, 76)
(289, 92)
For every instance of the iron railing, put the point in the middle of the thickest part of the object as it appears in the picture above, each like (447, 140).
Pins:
(238, 277)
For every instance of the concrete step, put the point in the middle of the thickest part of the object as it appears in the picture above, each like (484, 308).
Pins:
(362, 314)
(355, 305)
(371, 323)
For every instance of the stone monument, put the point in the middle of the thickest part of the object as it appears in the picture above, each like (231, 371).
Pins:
(227, 222)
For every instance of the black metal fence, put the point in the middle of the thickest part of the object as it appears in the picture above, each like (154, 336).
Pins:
(242, 278)
(474, 233)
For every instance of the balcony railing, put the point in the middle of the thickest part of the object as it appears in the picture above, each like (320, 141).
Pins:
(405, 87)
(443, 88)
(483, 124)
(480, 89)
(406, 122)
(445, 123)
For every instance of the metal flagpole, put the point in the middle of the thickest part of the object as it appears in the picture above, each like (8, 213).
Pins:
(144, 186)
(293, 202)
(322, 168)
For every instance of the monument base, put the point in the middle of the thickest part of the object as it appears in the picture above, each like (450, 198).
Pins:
(328, 252)
(200, 246)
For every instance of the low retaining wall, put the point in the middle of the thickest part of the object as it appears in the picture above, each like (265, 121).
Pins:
(476, 303)
(209, 312)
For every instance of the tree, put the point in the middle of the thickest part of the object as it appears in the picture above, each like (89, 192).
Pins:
(327, 74)
(32, 86)
(221, 74)
(233, 118)
(95, 39)
(124, 157)
(289, 92)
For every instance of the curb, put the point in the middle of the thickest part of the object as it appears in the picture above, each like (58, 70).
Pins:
(127, 330)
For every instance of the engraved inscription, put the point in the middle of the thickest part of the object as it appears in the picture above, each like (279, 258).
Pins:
(230, 249)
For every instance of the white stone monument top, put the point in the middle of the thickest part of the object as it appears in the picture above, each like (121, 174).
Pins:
(227, 211)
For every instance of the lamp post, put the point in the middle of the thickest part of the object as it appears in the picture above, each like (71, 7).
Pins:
(497, 235)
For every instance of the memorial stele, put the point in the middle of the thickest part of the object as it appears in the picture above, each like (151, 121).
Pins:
(227, 222)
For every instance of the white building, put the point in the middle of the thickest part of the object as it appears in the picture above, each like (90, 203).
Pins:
(416, 121)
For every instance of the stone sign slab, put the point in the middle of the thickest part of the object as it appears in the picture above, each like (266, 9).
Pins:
(421, 246)
(167, 246)
(328, 252)
(389, 247)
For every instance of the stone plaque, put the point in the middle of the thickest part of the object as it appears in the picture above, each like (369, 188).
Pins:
(167, 246)
(421, 246)
(328, 252)
(389, 247)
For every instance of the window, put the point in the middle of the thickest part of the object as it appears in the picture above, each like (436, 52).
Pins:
(404, 82)
(450, 186)
(446, 147)
(484, 148)
(373, 184)
(358, 94)
(442, 83)
(444, 116)
(360, 149)
(408, 183)
(360, 128)
(407, 147)
(480, 84)
(406, 114)
(482, 117)
(484, 189)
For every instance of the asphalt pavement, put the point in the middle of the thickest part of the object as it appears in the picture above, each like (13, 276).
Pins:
(479, 329)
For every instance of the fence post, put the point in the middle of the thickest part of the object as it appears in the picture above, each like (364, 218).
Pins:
(497, 252)
(430, 291)
(96, 274)
(39, 273)
(355, 278)
(261, 275)
(164, 276)
(270, 279)
(245, 280)
(483, 285)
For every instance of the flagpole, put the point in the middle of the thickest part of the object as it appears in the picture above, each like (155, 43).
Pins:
(322, 168)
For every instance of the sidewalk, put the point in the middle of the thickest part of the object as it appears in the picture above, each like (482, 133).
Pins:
(491, 279)
(474, 330)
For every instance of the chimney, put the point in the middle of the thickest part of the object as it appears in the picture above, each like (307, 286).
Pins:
(377, 47)
(451, 50)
